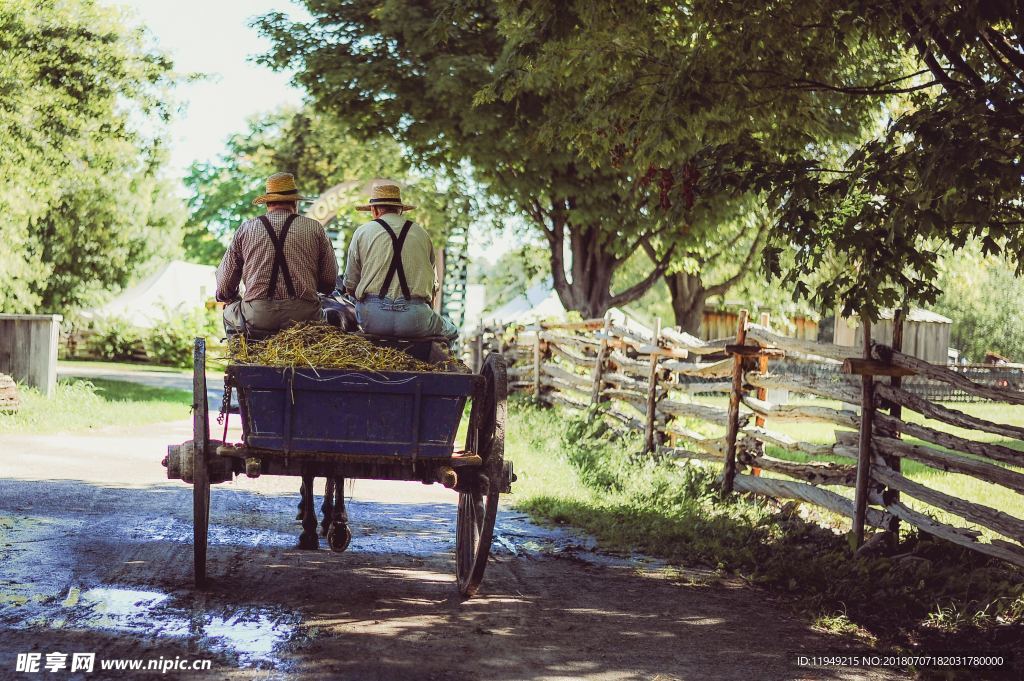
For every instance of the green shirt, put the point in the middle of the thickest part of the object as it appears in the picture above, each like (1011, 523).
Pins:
(369, 258)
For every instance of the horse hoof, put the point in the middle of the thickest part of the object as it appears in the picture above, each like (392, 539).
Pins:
(308, 542)
(339, 537)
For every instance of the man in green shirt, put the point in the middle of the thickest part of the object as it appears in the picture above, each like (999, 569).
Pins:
(390, 272)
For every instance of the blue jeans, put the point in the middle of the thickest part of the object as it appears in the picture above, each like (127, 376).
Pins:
(402, 318)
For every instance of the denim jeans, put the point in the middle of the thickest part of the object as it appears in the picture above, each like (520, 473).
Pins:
(402, 318)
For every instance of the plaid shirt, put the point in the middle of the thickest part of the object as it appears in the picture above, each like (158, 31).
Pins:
(250, 257)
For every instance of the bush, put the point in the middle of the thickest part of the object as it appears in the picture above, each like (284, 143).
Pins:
(171, 342)
(114, 338)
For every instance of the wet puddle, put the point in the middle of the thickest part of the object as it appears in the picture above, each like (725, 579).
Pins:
(254, 635)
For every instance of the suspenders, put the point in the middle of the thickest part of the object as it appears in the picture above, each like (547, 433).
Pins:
(280, 264)
(397, 242)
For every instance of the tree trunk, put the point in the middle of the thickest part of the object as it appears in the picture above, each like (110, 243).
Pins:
(586, 287)
(592, 270)
(688, 297)
(592, 267)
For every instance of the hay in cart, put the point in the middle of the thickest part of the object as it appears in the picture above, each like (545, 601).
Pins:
(318, 345)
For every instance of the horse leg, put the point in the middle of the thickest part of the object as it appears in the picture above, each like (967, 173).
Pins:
(327, 508)
(302, 500)
(339, 535)
(308, 539)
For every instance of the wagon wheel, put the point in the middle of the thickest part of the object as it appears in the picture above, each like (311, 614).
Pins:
(478, 505)
(200, 473)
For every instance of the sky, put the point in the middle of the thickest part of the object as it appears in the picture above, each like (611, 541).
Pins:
(214, 38)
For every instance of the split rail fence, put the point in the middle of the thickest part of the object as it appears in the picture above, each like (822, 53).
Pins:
(646, 380)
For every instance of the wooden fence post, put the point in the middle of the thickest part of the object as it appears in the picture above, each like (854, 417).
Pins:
(474, 351)
(867, 412)
(536, 364)
(479, 349)
(891, 496)
(602, 351)
(762, 393)
(652, 390)
(733, 425)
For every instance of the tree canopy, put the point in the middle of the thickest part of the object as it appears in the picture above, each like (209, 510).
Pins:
(946, 170)
(321, 151)
(607, 142)
(875, 131)
(983, 298)
(410, 70)
(81, 106)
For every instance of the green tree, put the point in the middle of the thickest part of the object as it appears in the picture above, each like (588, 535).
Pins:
(939, 165)
(985, 300)
(409, 70)
(321, 152)
(221, 191)
(698, 96)
(946, 170)
(82, 105)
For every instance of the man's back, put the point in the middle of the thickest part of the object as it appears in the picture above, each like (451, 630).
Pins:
(370, 254)
(310, 260)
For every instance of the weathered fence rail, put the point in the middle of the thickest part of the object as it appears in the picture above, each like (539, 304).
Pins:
(663, 384)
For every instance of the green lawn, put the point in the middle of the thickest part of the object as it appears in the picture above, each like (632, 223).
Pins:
(83, 405)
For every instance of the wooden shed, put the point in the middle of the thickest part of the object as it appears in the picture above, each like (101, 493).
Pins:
(925, 333)
(28, 349)
(721, 323)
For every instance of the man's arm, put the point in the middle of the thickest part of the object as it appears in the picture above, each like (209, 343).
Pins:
(327, 269)
(229, 274)
(353, 265)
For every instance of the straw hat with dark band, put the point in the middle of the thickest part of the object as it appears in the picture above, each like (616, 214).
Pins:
(280, 187)
(385, 195)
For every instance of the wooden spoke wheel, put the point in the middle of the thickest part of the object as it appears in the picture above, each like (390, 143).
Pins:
(200, 472)
(478, 502)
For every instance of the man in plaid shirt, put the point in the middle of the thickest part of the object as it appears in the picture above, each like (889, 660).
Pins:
(284, 260)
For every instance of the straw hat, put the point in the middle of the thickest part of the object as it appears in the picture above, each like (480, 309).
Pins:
(280, 187)
(385, 195)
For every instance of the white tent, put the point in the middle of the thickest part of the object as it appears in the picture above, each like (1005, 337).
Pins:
(538, 302)
(177, 287)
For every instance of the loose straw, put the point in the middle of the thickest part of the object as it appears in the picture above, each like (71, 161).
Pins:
(321, 346)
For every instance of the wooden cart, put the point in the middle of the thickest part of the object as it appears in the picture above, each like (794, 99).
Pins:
(339, 423)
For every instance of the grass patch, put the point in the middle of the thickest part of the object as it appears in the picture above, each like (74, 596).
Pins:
(932, 593)
(83, 405)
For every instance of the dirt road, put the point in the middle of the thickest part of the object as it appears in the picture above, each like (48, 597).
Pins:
(95, 548)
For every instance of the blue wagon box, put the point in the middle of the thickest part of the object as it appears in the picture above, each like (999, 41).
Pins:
(343, 411)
